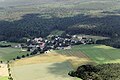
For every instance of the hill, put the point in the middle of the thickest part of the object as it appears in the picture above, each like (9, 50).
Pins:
(33, 18)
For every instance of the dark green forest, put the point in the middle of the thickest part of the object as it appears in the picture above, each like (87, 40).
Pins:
(99, 72)
(31, 25)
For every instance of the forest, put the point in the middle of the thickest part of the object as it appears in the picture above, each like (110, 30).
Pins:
(99, 72)
(31, 25)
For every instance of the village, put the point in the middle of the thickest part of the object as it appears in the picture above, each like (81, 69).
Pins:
(56, 42)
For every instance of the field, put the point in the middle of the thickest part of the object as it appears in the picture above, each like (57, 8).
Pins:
(97, 53)
(3, 72)
(10, 53)
(101, 53)
(53, 65)
(60, 62)
(43, 71)
(3, 78)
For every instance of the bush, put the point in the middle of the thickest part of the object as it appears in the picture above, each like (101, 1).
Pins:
(23, 56)
(18, 57)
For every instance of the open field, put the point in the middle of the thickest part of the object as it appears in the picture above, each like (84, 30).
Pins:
(3, 72)
(100, 53)
(55, 56)
(3, 78)
(96, 53)
(60, 62)
(53, 65)
(10, 53)
(43, 71)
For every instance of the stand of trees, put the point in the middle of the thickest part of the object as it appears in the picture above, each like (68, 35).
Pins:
(114, 42)
(99, 72)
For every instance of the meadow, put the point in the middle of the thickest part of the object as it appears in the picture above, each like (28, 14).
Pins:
(3, 78)
(7, 54)
(97, 53)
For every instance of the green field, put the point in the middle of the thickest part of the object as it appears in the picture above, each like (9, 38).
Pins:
(97, 53)
(56, 64)
(3, 78)
(10, 53)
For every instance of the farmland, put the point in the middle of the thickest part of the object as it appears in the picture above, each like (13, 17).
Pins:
(97, 53)
(3, 78)
(53, 65)
(10, 53)
(3, 72)
(60, 62)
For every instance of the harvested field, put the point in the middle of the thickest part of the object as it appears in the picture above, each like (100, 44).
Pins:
(49, 66)
(43, 71)
(54, 56)
(3, 70)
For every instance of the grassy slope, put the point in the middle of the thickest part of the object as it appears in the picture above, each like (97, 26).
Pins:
(97, 53)
(100, 53)
(10, 53)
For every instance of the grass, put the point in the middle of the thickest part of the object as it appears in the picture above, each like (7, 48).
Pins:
(53, 65)
(100, 53)
(10, 53)
(4, 78)
(96, 53)
(43, 71)
(56, 64)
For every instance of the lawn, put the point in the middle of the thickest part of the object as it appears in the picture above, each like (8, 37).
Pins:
(10, 53)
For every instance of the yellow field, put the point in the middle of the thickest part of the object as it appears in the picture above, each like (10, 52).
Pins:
(52, 64)
(104, 47)
(52, 56)
(3, 70)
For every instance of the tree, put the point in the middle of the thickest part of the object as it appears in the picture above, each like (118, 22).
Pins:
(18, 57)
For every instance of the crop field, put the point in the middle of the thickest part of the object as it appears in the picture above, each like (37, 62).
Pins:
(56, 64)
(3, 72)
(102, 53)
(10, 53)
(52, 64)
(43, 71)
(97, 53)
(3, 78)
